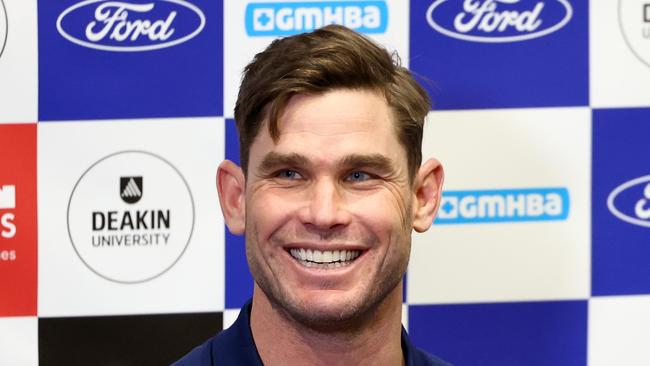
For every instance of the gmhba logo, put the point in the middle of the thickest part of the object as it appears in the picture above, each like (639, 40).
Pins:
(503, 205)
(494, 21)
(288, 18)
(122, 234)
(130, 26)
(634, 19)
(4, 27)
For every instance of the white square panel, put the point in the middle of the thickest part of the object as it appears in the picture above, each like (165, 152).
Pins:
(619, 331)
(519, 226)
(229, 317)
(129, 217)
(619, 53)
(18, 62)
(240, 48)
(19, 341)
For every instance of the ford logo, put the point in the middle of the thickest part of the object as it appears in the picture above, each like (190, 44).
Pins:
(130, 26)
(630, 201)
(494, 21)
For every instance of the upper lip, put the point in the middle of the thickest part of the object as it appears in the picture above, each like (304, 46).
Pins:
(323, 246)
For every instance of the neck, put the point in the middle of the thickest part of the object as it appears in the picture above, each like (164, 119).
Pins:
(373, 340)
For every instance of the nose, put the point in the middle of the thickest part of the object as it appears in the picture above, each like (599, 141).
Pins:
(325, 206)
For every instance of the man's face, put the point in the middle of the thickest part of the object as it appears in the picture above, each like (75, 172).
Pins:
(329, 207)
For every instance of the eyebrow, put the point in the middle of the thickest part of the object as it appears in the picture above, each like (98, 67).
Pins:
(377, 162)
(274, 160)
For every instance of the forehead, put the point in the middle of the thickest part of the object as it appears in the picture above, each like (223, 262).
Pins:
(334, 123)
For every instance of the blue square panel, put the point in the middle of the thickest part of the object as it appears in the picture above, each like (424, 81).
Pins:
(130, 59)
(621, 202)
(483, 54)
(504, 334)
(239, 282)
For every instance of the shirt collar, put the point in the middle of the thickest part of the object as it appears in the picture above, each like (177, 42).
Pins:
(245, 346)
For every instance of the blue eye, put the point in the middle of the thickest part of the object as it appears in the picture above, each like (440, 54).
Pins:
(358, 176)
(289, 174)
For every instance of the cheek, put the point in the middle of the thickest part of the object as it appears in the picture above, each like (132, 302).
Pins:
(267, 213)
(385, 214)
(388, 205)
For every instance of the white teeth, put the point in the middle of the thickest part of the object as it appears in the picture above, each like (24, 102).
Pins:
(318, 256)
(327, 258)
(335, 256)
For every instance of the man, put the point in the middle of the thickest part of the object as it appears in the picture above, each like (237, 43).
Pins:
(331, 187)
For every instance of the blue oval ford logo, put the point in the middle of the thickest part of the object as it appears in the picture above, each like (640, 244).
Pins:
(130, 26)
(630, 201)
(493, 21)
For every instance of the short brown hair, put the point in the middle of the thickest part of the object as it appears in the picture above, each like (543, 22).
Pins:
(332, 57)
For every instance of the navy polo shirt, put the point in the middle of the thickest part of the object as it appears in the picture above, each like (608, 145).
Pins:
(235, 346)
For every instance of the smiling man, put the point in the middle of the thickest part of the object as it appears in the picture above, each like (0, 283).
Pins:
(330, 189)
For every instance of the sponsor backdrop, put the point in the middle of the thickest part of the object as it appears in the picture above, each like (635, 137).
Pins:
(115, 114)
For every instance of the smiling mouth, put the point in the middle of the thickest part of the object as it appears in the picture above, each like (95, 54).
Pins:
(326, 259)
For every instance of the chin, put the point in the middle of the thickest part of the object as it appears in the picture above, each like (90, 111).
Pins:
(330, 311)
(327, 315)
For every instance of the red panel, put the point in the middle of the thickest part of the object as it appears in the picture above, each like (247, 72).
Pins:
(18, 227)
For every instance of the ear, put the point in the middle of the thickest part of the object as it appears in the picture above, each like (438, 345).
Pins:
(231, 185)
(427, 191)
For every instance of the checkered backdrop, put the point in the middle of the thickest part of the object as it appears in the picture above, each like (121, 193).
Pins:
(114, 116)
